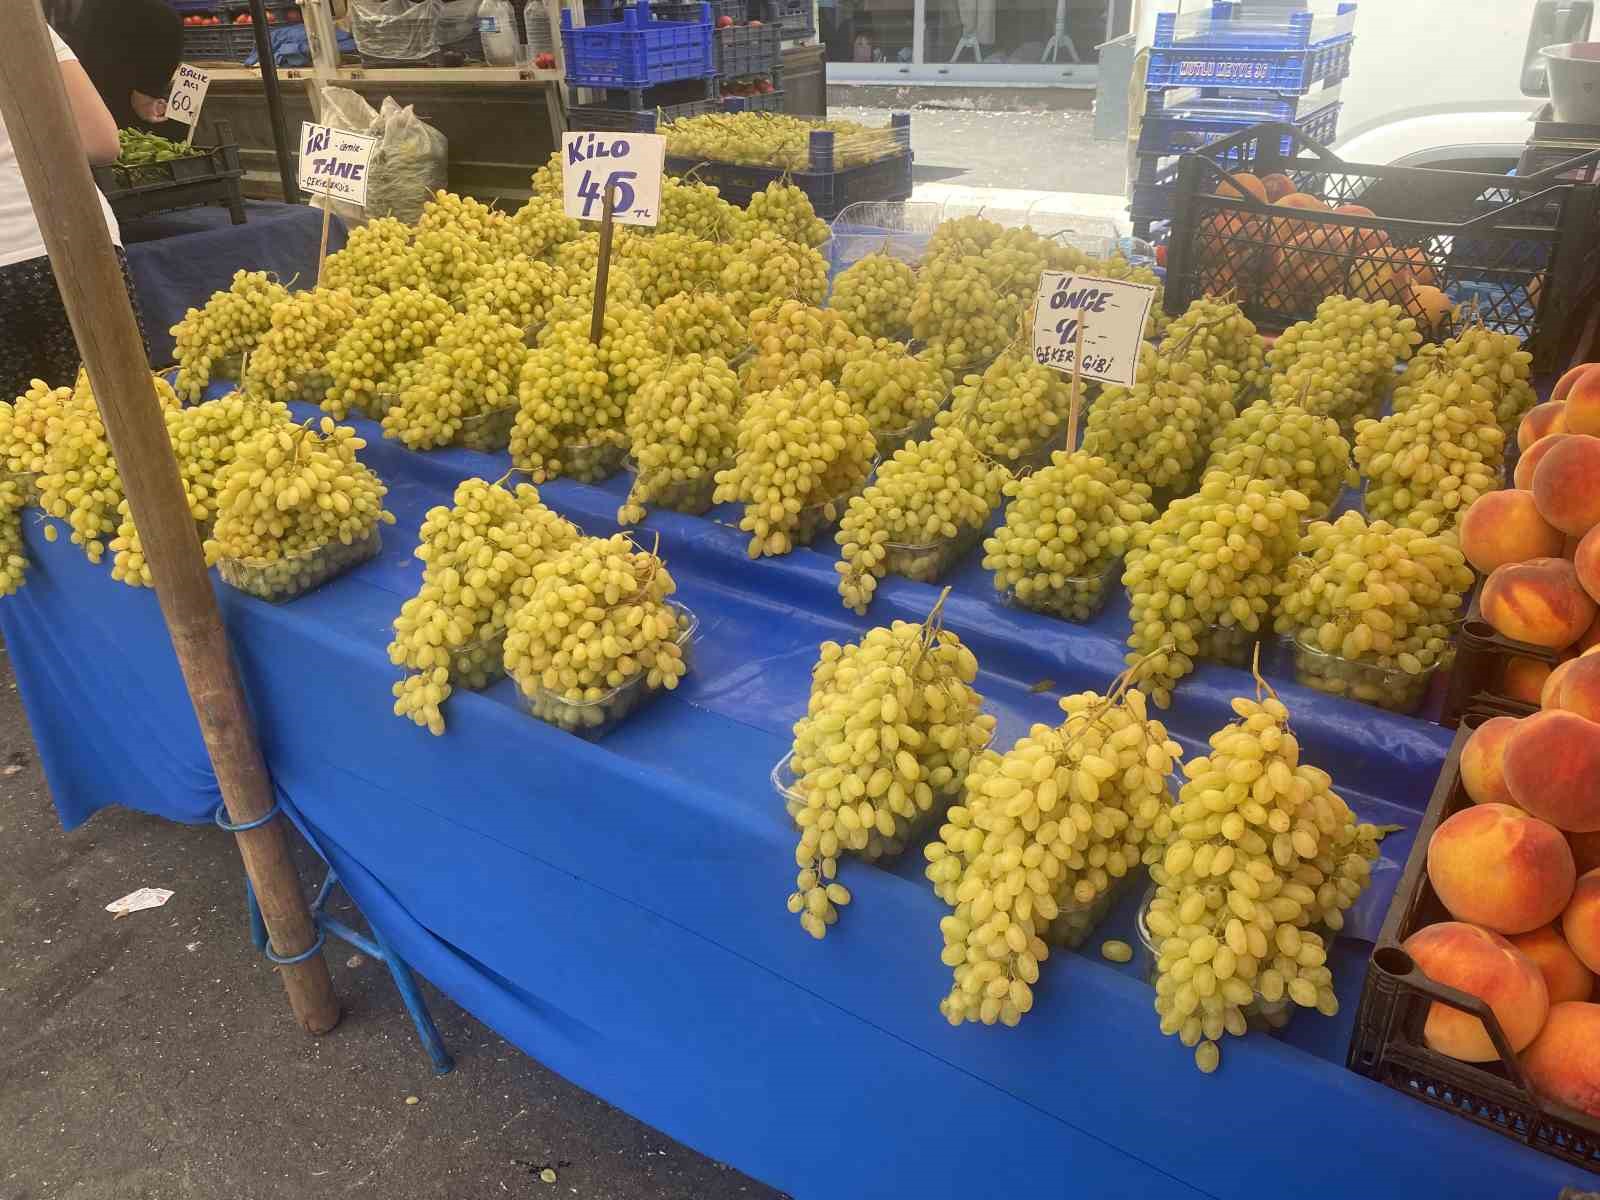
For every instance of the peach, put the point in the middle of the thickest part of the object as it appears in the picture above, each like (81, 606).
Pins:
(1485, 965)
(1564, 384)
(1589, 640)
(1539, 602)
(1585, 851)
(1482, 768)
(1583, 404)
(1541, 421)
(1278, 186)
(1364, 241)
(1586, 561)
(1565, 976)
(1505, 527)
(1580, 924)
(1563, 1063)
(1579, 690)
(1236, 185)
(1435, 307)
(1552, 766)
(1524, 679)
(1566, 485)
(1496, 866)
(1530, 459)
(1550, 693)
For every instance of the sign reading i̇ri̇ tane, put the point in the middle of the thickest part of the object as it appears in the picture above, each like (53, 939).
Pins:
(334, 163)
(628, 165)
(1110, 313)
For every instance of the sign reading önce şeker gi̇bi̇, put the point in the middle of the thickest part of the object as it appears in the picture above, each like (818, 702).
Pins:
(626, 164)
(1111, 314)
(334, 163)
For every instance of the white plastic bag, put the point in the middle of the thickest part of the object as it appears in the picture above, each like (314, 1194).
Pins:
(398, 30)
(410, 162)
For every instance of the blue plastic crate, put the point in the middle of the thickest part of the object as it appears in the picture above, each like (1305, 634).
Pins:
(1164, 132)
(1226, 47)
(638, 52)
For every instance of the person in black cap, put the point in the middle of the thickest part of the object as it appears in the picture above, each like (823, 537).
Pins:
(128, 48)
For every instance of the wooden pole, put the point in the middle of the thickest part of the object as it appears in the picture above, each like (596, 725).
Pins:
(322, 250)
(602, 271)
(1075, 405)
(33, 105)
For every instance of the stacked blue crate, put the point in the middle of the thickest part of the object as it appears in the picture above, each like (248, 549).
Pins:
(1225, 67)
(649, 68)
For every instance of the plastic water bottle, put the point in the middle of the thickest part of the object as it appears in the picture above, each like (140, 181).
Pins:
(497, 25)
(541, 39)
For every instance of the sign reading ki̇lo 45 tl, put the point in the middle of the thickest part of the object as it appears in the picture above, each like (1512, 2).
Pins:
(1111, 314)
(628, 165)
(334, 163)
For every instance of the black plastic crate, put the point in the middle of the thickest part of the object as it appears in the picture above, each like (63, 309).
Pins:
(1478, 674)
(737, 9)
(742, 50)
(796, 18)
(599, 117)
(763, 102)
(1387, 1043)
(202, 178)
(1527, 249)
(218, 43)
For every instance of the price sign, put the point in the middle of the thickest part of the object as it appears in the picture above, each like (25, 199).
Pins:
(629, 163)
(1111, 314)
(187, 95)
(334, 163)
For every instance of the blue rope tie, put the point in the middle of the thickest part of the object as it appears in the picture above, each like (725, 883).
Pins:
(221, 818)
(310, 951)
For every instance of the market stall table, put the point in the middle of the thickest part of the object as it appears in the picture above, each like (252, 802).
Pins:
(616, 908)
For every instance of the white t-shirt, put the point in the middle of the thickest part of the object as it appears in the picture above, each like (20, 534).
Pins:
(20, 238)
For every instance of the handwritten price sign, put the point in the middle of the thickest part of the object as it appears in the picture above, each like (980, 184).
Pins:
(1111, 314)
(626, 164)
(187, 95)
(334, 163)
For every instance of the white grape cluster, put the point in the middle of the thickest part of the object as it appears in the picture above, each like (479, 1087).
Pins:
(803, 449)
(1283, 444)
(1015, 411)
(793, 340)
(899, 393)
(227, 327)
(377, 258)
(1045, 830)
(546, 182)
(596, 623)
(1341, 363)
(783, 211)
(452, 260)
(956, 310)
(13, 554)
(698, 323)
(539, 226)
(1066, 525)
(767, 270)
(1426, 463)
(80, 483)
(891, 727)
(670, 263)
(290, 360)
(520, 291)
(471, 370)
(1218, 329)
(453, 213)
(1260, 850)
(1205, 572)
(478, 555)
(1495, 361)
(24, 427)
(683, 427)
(696, 209)
(873, 295)
(395, 328)
(574, 395)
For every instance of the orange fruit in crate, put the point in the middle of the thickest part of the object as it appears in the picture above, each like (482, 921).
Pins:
(1278, 186)
(1313, 263)
(1231, 186)
(1433, 304)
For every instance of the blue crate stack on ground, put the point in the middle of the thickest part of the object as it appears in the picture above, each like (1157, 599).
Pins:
(1217, 70)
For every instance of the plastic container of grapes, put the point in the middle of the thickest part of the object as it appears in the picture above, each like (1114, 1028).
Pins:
(1230, 645)
(692, 496)
(1269, 1016)
(814, 519)
(489, 432)
(312, 388)
(1388, 688)
(890, 440)
(27, 484)
(1079, 598)
(928, 561)
(376, 406)
(590, 462)
(593, 719)
(229, 366)
(1074, 922)
(284, 579)
(476, 664)
(1040, 455)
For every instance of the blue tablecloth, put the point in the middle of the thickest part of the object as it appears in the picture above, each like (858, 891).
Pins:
(616, 909)
(178, 259)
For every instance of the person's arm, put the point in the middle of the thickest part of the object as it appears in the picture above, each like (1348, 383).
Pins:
(96, 128)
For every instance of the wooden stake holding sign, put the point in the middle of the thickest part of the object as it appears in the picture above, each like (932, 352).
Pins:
(1075, 407)
(34, 109)
(334, 164)
(602, 269)
(620, 172)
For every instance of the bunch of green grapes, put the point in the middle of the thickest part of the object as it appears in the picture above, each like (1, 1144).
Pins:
(1341, 363)
(913, 516)
(896, 391)
(229, 325)
(963, 237)
(462, 214)
(892, 725)
(696, 209)
(1287, 446)
(574, 395)
(1014, 410)
(473, 368)
(580, 260)
(1374, 594)
(873, 294)
(596, 620)
(698, 323)
(24, 427)
(768, 270)
(683, 426)
(956, 308)
(452, 261)
(1259, 849)
(1497, 361)
(1205, 570)
(1045, 830)
(395, 328)
(546, 181)
(803, 448)
(290, 360)
(1160, 430)
(290, 492)
(783, 211)
(13, 554)
(519, 291)
(670, 263)
(1066, 525)
(478, 558)
(794, 340)
(80, 483)
(538, 227)
(1115, 266)
(1427, 463)
(1219, 330)
(376, 258)
(768, 139)
(166, 396)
